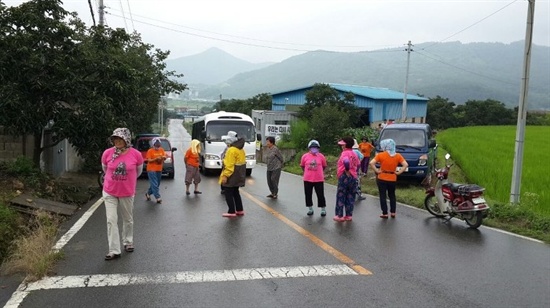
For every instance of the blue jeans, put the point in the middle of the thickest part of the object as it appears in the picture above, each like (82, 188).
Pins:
(154, 183)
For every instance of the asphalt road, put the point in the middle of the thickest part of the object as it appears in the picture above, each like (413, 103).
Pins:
(188, 255)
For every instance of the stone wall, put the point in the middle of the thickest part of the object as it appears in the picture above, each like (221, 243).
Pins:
(12, 147)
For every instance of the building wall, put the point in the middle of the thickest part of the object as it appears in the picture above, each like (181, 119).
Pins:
(379, 109)
(262, 118)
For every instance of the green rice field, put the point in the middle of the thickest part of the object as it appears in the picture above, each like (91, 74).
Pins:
(486, 155)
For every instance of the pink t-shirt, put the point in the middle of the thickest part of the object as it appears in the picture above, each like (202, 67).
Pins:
(121, 173)
(353, 163)
(313, 165)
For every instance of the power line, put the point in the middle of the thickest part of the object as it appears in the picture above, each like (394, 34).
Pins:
(221, 39)
(470, 26)
(242, 37)
(131, 17)
(463, 69)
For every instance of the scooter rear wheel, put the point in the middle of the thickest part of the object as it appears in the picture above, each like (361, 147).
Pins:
(473, 219)
(430, 202)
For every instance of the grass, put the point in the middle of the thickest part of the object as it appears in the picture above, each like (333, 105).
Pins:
(484, 156)
(32, 253)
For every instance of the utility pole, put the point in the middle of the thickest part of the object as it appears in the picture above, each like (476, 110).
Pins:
(515, 191)
(404, 111)
(101, 12)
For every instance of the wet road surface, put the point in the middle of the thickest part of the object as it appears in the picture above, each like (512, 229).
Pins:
(188, 255)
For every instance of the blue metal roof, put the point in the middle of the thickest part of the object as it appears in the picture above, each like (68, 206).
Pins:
(375, 93)
(366, 91)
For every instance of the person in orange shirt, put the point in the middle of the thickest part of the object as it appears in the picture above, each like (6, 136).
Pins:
(155, 158)
(387, 174)
(366, 149)
(192, 174)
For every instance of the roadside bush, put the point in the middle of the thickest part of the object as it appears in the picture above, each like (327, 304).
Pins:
(300, 134)
(9, 229)
(22, 166)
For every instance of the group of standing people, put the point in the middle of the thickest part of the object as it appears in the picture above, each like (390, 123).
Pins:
(122, 165)
(352, 164)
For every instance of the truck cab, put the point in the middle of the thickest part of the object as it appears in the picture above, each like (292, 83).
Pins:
(414, 141)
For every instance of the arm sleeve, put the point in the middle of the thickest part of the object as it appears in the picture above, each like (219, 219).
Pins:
(346, 164)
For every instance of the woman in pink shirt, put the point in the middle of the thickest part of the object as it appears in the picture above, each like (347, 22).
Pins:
(122, 165)
(346, 172)
(314, 163)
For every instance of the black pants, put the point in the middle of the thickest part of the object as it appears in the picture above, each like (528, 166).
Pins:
(319, 191)
(389, 187)
(233, 199)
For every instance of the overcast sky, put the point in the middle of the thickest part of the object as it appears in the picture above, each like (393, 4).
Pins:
(274, 30)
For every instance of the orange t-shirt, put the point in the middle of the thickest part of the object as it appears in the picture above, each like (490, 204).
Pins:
(191, 159)
(366, 149)
(388, 165)
(153, 153)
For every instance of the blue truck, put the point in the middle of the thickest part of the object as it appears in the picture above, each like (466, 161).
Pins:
(414, 141)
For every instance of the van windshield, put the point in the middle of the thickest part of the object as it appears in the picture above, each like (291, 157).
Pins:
(216, 129)
(411, 137)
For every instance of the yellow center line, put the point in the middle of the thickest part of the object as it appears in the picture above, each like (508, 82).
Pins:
(317, 241)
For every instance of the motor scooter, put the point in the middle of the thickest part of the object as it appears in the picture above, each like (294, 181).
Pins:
(464, 201)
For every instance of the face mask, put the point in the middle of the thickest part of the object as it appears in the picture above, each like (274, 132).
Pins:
(314, 150)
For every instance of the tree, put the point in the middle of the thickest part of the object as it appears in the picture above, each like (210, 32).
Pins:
(258, 102)
(488, 112)
(85, 82)
(37, 49)
(440, 113)
(323, 94)
(327, 124)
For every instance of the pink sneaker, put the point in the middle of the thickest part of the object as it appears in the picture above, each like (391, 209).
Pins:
(338, 218)
(347, 218)
(229, 215)
(239, 213)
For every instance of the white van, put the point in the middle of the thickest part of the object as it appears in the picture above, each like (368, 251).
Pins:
(209, 130)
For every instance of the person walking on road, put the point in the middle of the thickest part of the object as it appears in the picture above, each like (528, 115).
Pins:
(313, 164)
(233, 175)
(274, 160)
(387, 175)
(346, 172)
(155, 158)
(122, 165)
(191, 160)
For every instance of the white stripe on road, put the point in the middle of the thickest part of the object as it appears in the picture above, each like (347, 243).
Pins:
(97, 281)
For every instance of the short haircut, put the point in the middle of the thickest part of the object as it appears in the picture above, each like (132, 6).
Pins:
(270, 139)
(349, 142)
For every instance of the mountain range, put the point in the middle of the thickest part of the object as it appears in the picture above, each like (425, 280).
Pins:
(453, 70)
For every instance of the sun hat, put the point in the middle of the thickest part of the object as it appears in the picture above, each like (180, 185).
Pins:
(124, 133)
(341, 142)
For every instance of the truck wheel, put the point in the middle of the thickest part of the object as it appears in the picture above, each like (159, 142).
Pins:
(248, 172)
